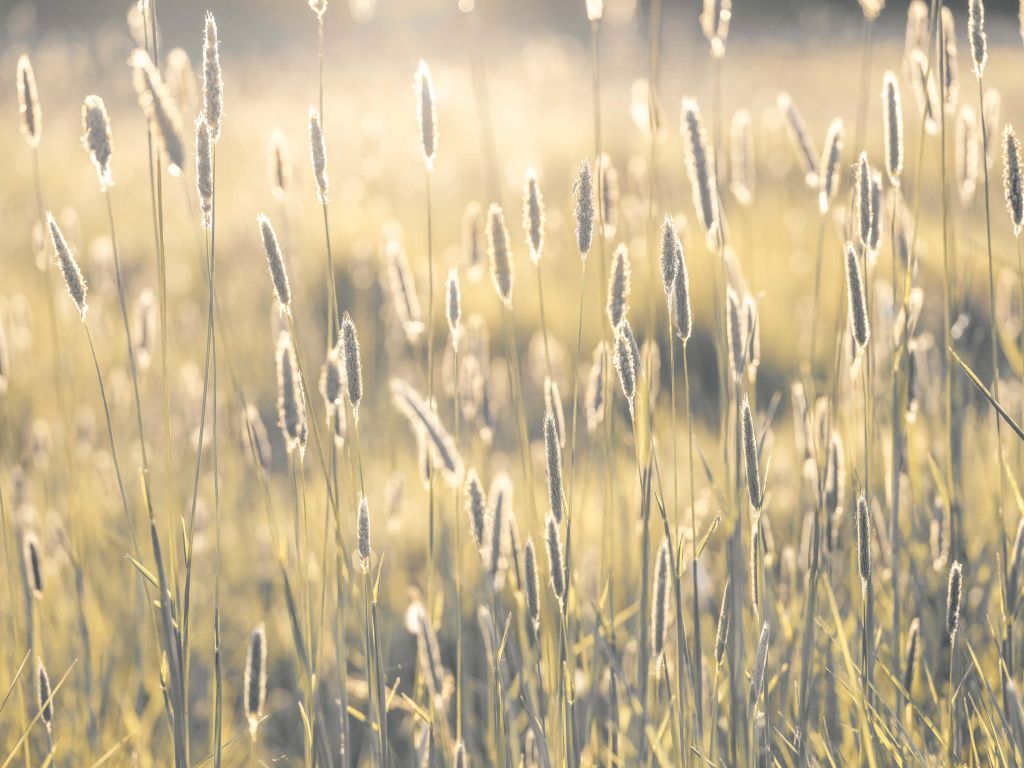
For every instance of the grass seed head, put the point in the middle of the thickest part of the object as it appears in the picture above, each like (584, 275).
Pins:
(1013, 187)
(618, 286)
(500, 254)
(953, 594)
(28, 102)
(204, 171)
(213, 84)
(352, 363)
(318, 155)
(425, 114)
(856, 299)
(73, 278)
(96, 137)
(160, 109)
(275, 263)
(553, 454)
(743, 170)
(829, 173)
(279, 165)
(533, 215)
(750, 461)
(254, 683)
(583, 205)
(363, 534)
(554, 545)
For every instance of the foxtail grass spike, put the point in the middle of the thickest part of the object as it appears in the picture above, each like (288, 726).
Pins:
(426, 114)
(76, 285)
(213, 83)
(583, 205)
(254, 684)
(28, 102)
(96, 137)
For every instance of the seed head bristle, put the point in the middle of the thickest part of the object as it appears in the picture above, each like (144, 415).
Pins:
(700, 166)
(33, 564)
(858, 313)
(424, 420)
(583, 205)
(476, 507)
(892, 126)
(532, 586)
(318, 155)
(976, 34)
(213, 84)
(533, 215)
(911, 653)
(352, 363)
(403, 291)
(801, 140)
(291, 405)
(608, 185)
(553, 406)
(44, 696)
(500, 254)
(671, 251)
(76, 284)
(555, 565)
(760, 664)
(425, 114)
(750, 461)
(829, 174)
(625, 361)
(254, 683)
(160, 109)
(736, 333)
(553, 455)
(275, 263)
(96, 137)
(595, 388)
(363, 533)
(204, 171)
(724, 623)
(453, 306)
(618, 286)
(1013, 186)
(472, 240)
(28, 102)
(953, 594)
(659, 606)
(279, 165)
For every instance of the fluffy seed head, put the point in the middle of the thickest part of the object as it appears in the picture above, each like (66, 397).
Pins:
(858, 311)
(77, 287)
(352, 363)
(863, 212)
(742, 167)
(254, 682)
(736, 333)
(472, 240)
(426, 424)
(679, 301)
(403, 290)
(500, 254)
(318, 155)
(204, 171)
(331, 381)
(760, 664)
(750, 463)
(553, 406)
(554, 545)
(363, 533)
(700, 166)
(595, 388)
(871, 8)
(291, 405)
(213, 84)
(892, 126)
(532, 585)
(583, 205)
(1013, 187)
(33, 564)
(835, 475)
(453, 306)
(953, 600)
(910, 655)
(863, 521)
(533, 215)
(828, 171)
(279, 165)
(801, 140)
(553, 454)
(976, 33)
(618, 286)
(595, 10)
(659, 607)
(625, 360)
(425, 114)
(724, 622)
(44, 695)
(608, 186)
(28, 102)
(275, 263)
(500, 517)
(96, 137)
(160, 109)
(476, 506)
(671, 252)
